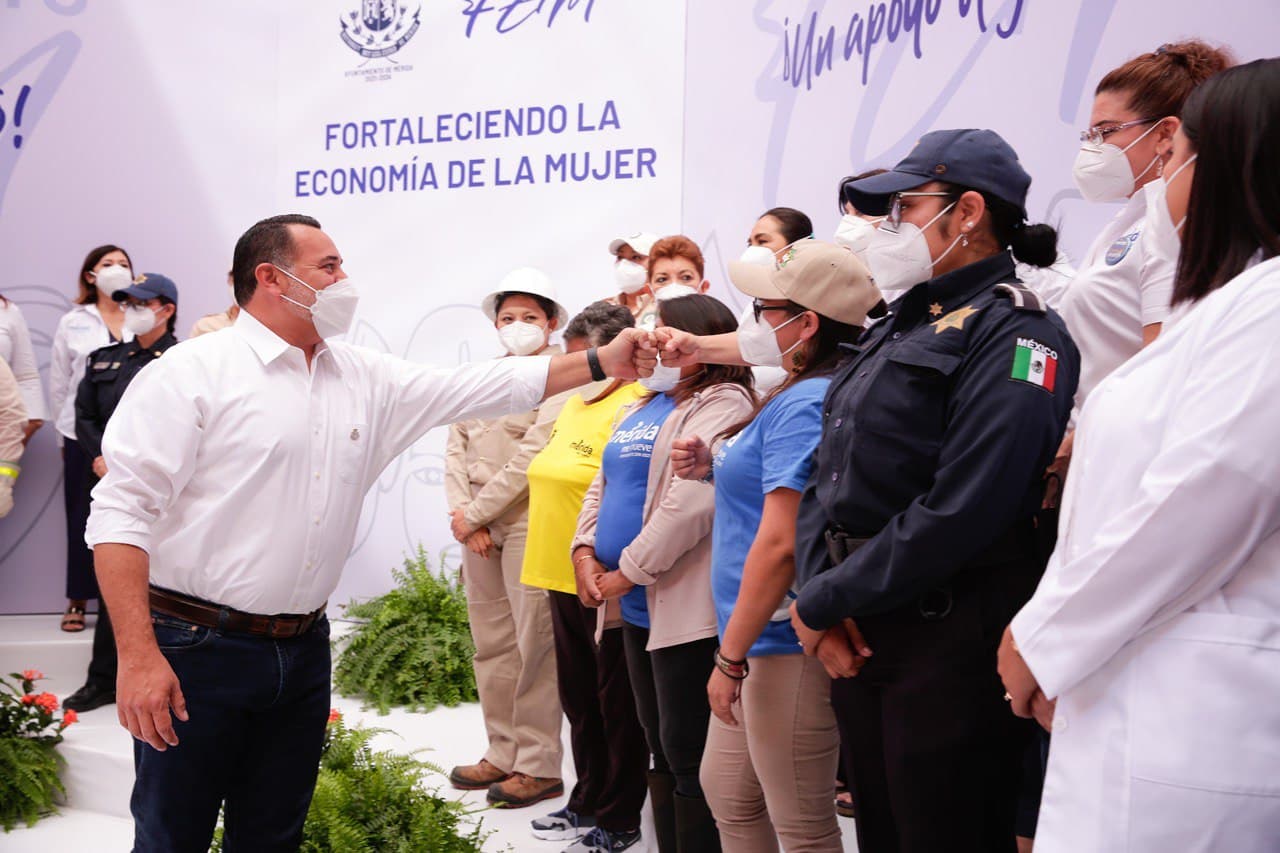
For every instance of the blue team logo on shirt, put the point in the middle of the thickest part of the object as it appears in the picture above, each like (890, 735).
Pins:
(1120, 248)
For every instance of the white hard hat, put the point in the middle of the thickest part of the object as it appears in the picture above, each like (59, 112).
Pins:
(525, 280)
(642, 243)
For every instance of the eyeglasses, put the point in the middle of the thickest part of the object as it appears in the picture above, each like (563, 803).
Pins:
(1097, 134)
(758, 308)
(894, 218)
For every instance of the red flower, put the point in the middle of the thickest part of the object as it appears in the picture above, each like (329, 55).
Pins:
(69, 717)
(32, 674)
(335, 716)
(47, 701)
(29, 699)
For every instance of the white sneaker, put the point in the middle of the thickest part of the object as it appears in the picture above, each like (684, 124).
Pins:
(563, 825)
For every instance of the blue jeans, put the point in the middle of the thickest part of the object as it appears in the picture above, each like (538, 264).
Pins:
(257, 712)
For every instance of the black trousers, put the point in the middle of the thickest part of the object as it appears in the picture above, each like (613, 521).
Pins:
(609, 751)
(670, 688)
(104, 663)
(78, 481)
(933, 751)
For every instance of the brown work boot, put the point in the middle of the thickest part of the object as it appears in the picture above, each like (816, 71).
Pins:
(476, 777)
(520, 790)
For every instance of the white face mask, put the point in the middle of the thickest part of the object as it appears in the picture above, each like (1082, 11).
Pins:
(140, 319)
(1160, 235)
(674, 291)
(854, 232)
(761, 256)
(629, 276)
(1103, 173)
(899, 260)
(334, 308)
(758, 341)
(664, 378)
(521, 338)
(113, 278)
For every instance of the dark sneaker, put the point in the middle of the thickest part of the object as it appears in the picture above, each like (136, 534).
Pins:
(603, 841)
(476, 777)
(564, 825)
(89, 697)
(520, 790)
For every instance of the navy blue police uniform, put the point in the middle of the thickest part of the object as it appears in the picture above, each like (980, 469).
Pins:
(918, 523)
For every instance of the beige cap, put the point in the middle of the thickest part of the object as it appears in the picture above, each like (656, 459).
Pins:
(642, 243)
(827, 279)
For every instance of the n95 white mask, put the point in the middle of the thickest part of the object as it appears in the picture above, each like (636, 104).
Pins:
(854, 232)
(1102, 172)
(663, 379)
(139, 319)
(521, 338)
(629, 276)
(113, 278)
(758, 341)
(334, 309)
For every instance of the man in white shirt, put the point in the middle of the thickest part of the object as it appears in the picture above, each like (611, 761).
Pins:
(237, 467)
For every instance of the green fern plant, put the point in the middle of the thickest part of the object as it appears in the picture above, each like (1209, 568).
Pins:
(415, 648)
(367, 800)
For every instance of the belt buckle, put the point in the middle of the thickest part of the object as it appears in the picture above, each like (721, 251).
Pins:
(935, 605)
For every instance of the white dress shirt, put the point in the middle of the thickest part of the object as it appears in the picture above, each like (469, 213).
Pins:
(1119, 289)
(16, 351)
(80, 331)
(241, 472)
(1157, 622)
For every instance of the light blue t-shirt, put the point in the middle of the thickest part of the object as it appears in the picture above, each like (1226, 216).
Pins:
(774, 451)
(626, 475)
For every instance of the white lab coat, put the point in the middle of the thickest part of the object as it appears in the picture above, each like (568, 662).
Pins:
(1157, 623)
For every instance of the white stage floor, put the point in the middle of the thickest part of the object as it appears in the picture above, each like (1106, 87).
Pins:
(99, 772)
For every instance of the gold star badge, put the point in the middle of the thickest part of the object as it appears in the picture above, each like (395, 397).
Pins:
(954, 320)
(935, 310)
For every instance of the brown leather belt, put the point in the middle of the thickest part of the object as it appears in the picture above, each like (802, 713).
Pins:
(281, 626)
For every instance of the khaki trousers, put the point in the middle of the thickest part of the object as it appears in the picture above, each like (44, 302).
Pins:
(515, 659)
(772, 777)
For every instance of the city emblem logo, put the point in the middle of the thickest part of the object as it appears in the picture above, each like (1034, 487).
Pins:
(379, 28)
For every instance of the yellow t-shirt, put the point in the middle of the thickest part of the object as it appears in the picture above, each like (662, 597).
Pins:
(559, 477)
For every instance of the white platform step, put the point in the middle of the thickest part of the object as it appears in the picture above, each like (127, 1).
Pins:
(99, 753)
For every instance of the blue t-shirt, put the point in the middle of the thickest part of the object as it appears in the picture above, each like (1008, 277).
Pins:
(626, 476)
(774, 451)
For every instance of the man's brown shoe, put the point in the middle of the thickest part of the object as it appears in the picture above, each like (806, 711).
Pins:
(520, 790)
(476, 777)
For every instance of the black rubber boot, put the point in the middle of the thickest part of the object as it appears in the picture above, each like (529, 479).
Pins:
(662, 788)
(695, 827)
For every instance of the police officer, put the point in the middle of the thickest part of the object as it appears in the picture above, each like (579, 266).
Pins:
(150, 313)
(915, 542)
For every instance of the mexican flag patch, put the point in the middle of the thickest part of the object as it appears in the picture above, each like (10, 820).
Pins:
(1035, 363)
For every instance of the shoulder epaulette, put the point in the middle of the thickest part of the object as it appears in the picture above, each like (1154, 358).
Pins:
(1023, 297)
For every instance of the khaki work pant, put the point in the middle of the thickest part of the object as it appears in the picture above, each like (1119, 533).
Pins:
(772, 777)
(515, 659)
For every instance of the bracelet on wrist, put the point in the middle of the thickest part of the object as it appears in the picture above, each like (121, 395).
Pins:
(593, 362)
(735, 669)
